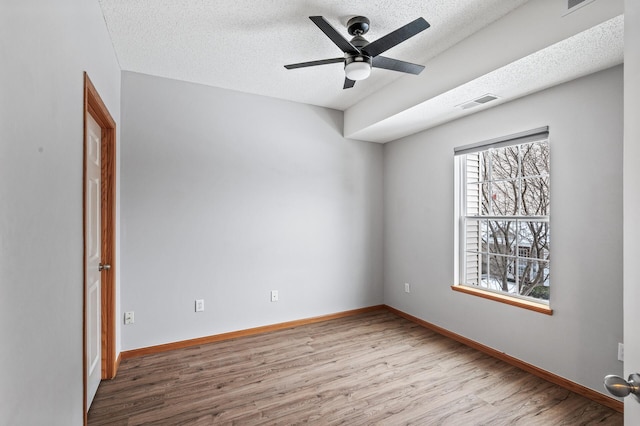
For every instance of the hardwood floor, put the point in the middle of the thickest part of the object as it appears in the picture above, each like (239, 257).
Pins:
(373, 368)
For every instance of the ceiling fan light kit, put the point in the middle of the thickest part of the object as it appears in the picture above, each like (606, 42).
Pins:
(357, 67)
(360, 55)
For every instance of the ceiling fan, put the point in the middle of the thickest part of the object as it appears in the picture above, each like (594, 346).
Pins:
(360, 55)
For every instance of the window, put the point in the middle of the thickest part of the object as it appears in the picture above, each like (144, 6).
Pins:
(503, 223)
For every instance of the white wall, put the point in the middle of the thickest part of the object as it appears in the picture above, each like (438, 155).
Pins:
(579, 342)
(226, 196)
(45, 47)
(631, 200)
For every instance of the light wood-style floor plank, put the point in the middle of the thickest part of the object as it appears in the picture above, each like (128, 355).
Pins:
(372, 368)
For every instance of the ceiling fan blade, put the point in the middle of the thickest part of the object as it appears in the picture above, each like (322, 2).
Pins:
(314, 63)
(334, 35)
(395, 37)
(348, 84)
(396, 65)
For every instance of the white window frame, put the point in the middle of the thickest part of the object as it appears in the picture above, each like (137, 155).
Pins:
(462, 216)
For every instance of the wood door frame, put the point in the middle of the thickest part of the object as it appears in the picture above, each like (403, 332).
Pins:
(94, 106)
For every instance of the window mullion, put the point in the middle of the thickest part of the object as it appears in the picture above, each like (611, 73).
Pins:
(520, 173)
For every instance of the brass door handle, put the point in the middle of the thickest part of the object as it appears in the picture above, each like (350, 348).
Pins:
(104, 267)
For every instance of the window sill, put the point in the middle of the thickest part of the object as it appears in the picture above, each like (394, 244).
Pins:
(513, 301)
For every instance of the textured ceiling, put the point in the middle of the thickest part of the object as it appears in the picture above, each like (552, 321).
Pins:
(244, 44)
(506, 47)
(587, 52)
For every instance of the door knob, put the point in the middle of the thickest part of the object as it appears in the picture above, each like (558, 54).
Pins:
(104, 267)
(618, 386)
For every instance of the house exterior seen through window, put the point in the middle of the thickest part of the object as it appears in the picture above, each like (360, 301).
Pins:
(504, 216)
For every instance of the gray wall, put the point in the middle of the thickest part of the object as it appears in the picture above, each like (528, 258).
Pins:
(45, 46)
(579, 342)
(226, 196)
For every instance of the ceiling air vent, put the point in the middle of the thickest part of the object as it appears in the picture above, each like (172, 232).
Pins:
(573, 5)
(478, 101)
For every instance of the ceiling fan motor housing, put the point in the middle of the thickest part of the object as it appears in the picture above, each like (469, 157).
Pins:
(357, 58)
(359, 42)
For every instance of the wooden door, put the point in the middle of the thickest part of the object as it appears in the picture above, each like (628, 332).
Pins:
(101, 358)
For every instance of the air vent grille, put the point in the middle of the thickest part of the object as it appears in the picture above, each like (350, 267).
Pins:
(485, 99)
(573, 5)
(478, 101)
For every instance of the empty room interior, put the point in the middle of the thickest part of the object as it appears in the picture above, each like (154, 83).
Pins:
(240, 212)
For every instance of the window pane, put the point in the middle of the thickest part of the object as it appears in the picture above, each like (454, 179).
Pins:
(473, 270)
(535, 159)
(533, 239)
(473, 199)
(500, 237)
(504, 162)
(484, 166)
(473, 167)
(486, 199)
(533, 278)
(478, 199)
(535, 196)
(504, 197)
(501, 275)
(473, 235)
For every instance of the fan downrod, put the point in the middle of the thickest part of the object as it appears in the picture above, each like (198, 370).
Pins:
(358, 25)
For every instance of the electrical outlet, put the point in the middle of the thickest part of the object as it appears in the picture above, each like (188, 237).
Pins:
(128, 318)
(407, 288)
(274, 295)
(199, 305)
(621, 352)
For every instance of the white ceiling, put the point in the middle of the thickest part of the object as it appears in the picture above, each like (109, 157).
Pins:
(243, 45)
(592, 50)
